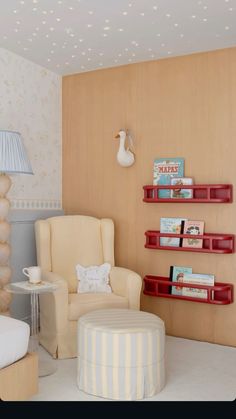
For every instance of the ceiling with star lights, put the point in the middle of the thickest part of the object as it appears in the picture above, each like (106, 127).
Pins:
(74, 36)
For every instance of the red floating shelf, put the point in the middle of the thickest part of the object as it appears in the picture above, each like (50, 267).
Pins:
(201, 193)
(212, 243)
(159, 286)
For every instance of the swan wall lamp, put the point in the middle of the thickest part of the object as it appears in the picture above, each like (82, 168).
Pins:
(125, 156)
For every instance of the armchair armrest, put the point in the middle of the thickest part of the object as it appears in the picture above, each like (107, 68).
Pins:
(54, 305)
(127, 284)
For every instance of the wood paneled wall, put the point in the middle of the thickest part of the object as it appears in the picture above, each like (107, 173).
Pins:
(178, 107)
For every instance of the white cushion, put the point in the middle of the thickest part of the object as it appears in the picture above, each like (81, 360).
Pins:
(93, 278)
(14, 339)
(80, 304)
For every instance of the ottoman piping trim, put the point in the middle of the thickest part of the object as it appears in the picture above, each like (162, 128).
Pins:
(100, 301)
(125, 331)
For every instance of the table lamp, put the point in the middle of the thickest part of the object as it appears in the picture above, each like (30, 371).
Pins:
(13, 160)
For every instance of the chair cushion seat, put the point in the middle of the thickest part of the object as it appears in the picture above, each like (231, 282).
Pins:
(14, 338)
(80, 304)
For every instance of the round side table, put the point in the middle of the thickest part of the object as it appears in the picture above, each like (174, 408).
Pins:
(25, 287)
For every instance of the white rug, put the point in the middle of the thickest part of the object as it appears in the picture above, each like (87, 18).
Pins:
(196, 371)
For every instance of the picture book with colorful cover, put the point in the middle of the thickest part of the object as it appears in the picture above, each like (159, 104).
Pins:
(164, 170)
(174, 226)
(176, 275)
(181, 193)
(194, 228)
(201, 279)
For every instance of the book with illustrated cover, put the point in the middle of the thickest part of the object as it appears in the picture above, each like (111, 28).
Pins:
(176, 275)
(181, 193)
(194, 228)
(164, 170)
(200, 279)
(173, 226)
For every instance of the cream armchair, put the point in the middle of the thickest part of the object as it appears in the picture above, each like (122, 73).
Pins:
(63, 242)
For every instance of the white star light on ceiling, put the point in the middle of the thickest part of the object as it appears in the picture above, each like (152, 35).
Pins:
(49, 32)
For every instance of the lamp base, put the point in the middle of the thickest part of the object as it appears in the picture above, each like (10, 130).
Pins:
(5, 313)
(5, 184)
(5, 271)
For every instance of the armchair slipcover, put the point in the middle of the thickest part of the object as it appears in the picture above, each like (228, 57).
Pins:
(62, 242)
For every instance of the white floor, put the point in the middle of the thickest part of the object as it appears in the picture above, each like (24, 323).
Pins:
(195, 371)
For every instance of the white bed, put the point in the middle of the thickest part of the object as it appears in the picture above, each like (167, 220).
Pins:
(14, 339)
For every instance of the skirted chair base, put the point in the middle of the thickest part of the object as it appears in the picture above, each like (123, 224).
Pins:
(63, 344)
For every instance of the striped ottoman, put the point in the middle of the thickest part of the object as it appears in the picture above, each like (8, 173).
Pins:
(121, 354)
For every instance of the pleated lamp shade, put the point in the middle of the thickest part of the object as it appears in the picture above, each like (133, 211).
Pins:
(13, 157)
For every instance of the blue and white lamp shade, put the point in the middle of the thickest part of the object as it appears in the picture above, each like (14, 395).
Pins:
(13, 156)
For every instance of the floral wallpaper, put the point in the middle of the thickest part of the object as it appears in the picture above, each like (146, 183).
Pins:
(30, 103)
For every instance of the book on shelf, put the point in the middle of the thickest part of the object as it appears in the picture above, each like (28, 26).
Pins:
(174, 226)
(194, 228)
(164, 170)
(177, 275)
(199, 279)
(181, 193)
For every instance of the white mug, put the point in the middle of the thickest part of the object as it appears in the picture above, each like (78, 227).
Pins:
(34, 274)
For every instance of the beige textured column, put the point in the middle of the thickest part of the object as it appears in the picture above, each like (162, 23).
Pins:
(5, 270)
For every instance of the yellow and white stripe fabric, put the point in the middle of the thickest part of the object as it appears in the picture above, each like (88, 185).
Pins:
(121, 354)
